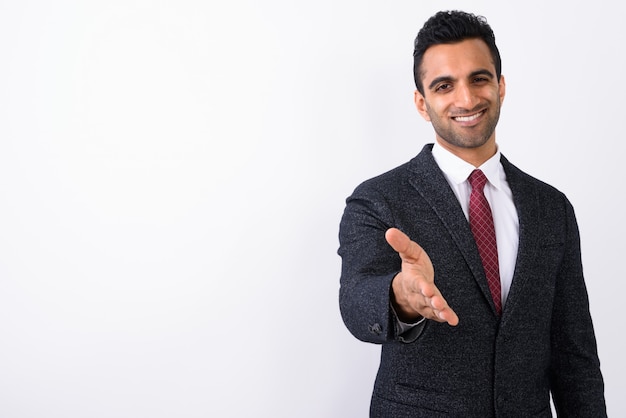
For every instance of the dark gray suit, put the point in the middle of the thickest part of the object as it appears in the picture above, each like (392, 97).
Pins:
(486, 366)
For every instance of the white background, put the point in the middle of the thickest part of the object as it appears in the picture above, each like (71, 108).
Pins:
(173, 173)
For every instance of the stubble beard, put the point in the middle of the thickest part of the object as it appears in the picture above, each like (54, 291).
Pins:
(468, 139)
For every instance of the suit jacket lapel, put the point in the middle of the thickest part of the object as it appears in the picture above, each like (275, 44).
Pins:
(527, 210)
(430, 182)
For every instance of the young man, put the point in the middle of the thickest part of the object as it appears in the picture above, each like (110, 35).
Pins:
(474, 320)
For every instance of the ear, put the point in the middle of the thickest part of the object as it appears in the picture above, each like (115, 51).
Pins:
(502, 86)
(420, 104)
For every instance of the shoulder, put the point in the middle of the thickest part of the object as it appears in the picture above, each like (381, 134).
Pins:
(524, 183)
(546, 203)
(386, 181)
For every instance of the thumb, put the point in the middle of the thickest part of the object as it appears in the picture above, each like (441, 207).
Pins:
(398, 240)
(409, 250)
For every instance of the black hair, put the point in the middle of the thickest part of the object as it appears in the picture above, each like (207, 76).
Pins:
(449, 27)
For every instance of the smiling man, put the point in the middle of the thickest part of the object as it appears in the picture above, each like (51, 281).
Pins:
(466, 269)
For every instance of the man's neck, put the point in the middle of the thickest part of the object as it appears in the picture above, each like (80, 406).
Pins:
(474, 156)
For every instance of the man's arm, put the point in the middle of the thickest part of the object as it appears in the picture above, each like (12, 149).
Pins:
(577, 383)
(371, 269)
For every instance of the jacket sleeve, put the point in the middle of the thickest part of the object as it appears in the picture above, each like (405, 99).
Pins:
(369, 265)
(576, 379)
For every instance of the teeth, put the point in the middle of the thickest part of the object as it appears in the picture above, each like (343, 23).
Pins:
(468, 118)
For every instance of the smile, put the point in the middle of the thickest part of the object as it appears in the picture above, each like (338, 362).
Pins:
(468, 118)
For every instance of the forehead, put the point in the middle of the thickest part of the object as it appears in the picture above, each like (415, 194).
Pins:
(456, 60)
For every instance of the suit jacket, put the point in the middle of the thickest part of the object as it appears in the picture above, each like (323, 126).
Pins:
(487, 366)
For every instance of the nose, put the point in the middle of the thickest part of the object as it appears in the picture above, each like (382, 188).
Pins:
(465, 97)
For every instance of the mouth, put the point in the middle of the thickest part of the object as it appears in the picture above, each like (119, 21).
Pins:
(468, 118)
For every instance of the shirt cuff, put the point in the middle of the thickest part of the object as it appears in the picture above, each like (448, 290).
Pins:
(407, 332)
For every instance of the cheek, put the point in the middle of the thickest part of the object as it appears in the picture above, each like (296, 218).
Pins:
(435, 113)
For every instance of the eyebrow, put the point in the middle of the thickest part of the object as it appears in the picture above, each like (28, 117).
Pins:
(450, 78)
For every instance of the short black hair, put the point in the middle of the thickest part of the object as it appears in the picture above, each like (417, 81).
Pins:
(449, 27)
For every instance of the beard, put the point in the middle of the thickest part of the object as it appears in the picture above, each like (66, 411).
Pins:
(472, 137)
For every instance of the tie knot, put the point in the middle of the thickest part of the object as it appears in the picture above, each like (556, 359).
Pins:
(477, 180)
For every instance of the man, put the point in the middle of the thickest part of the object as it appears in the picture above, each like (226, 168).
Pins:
(473, 322)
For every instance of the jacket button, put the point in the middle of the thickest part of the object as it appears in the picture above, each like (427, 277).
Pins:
(376, 329)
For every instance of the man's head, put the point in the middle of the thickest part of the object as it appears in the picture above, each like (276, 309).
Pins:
(450, 27)
(459, 86)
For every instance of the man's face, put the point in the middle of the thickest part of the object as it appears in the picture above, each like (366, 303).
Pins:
(462, 96)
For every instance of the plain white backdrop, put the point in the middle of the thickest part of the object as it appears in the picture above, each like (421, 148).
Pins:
(173, 173)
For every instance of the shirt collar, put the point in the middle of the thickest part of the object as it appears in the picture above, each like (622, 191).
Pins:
(458, 170)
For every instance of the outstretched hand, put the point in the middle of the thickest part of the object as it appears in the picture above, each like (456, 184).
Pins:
(414, 290)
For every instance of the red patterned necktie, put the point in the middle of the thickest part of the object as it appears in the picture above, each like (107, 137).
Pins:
(481, 223)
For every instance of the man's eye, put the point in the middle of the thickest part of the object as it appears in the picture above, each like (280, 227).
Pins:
(481, 80)
(443, 87)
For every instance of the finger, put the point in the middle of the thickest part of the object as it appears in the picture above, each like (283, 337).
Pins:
(441, 309)
(449, 316)
(438, 302)
(428, 289)
(402, 244)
